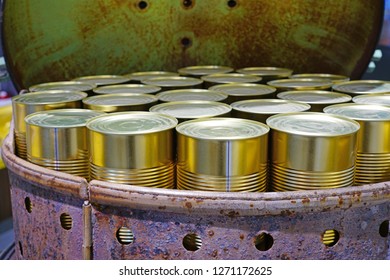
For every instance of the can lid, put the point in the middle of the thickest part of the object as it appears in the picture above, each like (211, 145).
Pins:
(222, 129)
(244, 89)
(363, 112)
(127, 88)
(140, 76)
(125, 99)
(191, 94)
(63, 85)
(62, 118)
(301, 84)
(100, 80)
(131, 123)
(231, 78)
(315, 96)
(313, 124)
(333, 77)
(49, 97)
(275, 72)
(171, 81)
(192, 109)
(269, 106)
(363, 87)
(373, 99)
(202, 70)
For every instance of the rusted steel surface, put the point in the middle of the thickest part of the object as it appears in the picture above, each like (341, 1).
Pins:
(228, 223)
(39, 197)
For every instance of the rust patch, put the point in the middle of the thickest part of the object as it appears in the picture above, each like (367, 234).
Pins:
(162, 207)
(242, 236)
(188, 205)
(210, 233)
(233, 214)
(341, 200)
(306, 200)
(293, 201)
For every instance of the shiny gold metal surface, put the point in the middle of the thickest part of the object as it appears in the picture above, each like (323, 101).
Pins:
(57, 139)
(172, 82)
(332, 77)
(119, 102)
(133, 148)
(222, 154)
(373, 151)
(203, 70)
(127, 88)
(138, 77)
(317, 99)
(243, 91)
(194, 109)
(103, 80)
(360, 87)
(267, 73)
(300, 84)
(373, 99)
(64, 85)
(25, 104)
(228, 78)
(261, 109)
(191, 94)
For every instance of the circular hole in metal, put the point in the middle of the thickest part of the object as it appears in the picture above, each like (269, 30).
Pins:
(124, 236)
(28, 204)
(142, 5)
(186, 42)
(192, 242)
(384, 229)
(66, 221)
(188, 3)
(330, 237)
(264, 241)
(20, 248)
(232, 3)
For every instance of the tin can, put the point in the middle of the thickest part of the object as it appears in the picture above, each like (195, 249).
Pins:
(317, 99)
(57, 139)
(191, 94)
(267, 73)
(134, 148)
(261, 109)
(244, 91)
(334, 78)
(312, 151)
(172, 83)
(300, 84)
(103, 80)
(194, 109)
(373, 151)
(127, 88)
(202, 70)
(373, 99)
(64, 85)
(227, 78)
(138, 77)
(222, 154)
(25, 104)
(360, 87)
(119, 102)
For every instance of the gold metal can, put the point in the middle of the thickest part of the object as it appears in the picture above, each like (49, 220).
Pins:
(373, 150)
(103, 80)
(134, 148)
(57, 139)
(191, 94)
(312, 151)
(194, 109)
(267, 73)
(332, 77)
(64, 85)
(244, 91)
(138, 77)
(25, 104)
(222, 154)
(300, 84)
(119, 102)
(373, 99)
(317, 99)
(172, 83)
(360, 87)
(127, 88)
(261, 109)
(203, 70)
(228, 78)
